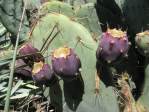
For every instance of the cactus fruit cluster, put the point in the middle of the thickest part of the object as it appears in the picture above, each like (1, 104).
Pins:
(78, 56)
(65, 63)
(112, 44)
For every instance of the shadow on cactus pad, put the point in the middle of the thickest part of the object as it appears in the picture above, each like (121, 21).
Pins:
(73, 92)
(55, 94)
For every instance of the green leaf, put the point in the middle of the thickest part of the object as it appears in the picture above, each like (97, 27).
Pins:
(18, 96)
(31, 86)
(16, 87)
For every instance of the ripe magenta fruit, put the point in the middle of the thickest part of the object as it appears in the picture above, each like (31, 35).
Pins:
(65, 62)
(34, 55)
(142, 41)
(112, 44)
(42, 73)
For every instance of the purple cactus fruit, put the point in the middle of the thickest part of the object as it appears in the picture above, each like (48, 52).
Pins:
(65, 62)
(28, 49)
(113, 43)
(42, 73)
(22, 70)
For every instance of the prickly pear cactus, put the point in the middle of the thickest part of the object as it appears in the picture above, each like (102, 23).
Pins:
(56, 6)
(77, 37)
(143, 103)
(84, 14)
(94, 84)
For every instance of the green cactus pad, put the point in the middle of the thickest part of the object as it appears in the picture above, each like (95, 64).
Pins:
(84, 14)
(58, 7)
(143, 102)
(74, 35)
(79, 2)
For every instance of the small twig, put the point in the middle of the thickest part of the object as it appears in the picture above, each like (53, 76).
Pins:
(7, 103)
(48, 38)
(50, 42)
